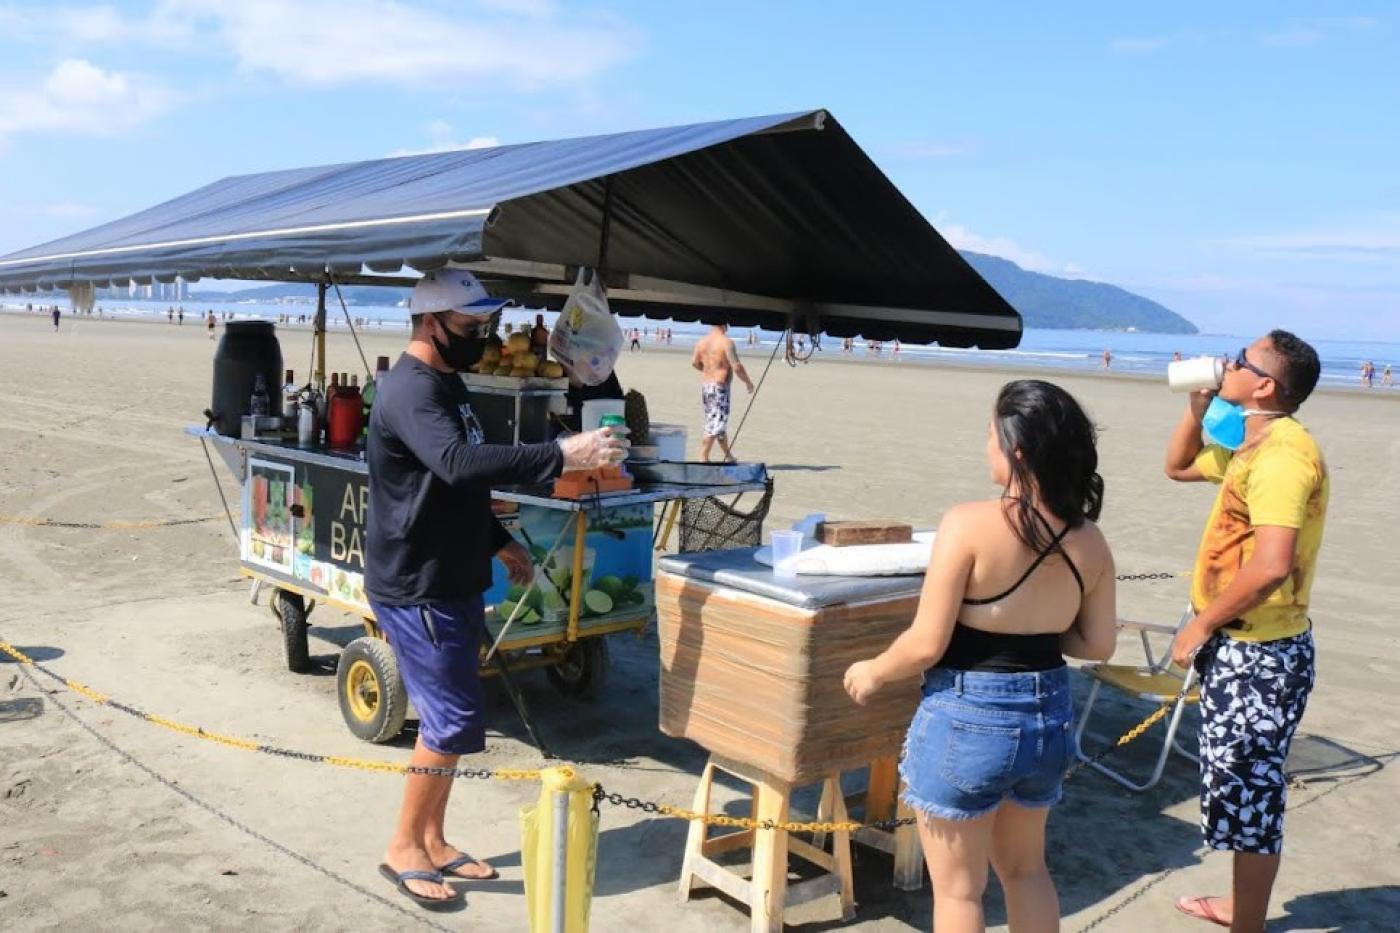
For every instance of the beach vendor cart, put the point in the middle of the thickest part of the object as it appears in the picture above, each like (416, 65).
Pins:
(776, 222)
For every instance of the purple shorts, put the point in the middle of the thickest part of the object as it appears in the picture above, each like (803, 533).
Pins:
(436, 645)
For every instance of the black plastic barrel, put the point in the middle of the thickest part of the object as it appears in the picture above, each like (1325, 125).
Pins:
(246, 349)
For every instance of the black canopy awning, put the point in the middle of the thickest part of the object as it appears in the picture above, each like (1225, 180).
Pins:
(769, 221)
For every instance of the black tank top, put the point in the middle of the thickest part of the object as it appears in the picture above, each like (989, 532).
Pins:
(972, 649)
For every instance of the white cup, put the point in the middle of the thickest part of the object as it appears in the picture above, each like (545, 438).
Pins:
(786, 546)
(1204, 372)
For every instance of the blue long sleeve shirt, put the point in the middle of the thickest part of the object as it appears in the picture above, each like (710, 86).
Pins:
(430, 531)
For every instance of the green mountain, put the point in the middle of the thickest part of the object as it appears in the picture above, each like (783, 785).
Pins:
(1055, 303)
(354, 294)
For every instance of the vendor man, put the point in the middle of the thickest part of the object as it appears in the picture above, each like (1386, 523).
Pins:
(1251, 638)
(431, 536)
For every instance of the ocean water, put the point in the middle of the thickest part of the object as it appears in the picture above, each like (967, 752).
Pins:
(1072, 350)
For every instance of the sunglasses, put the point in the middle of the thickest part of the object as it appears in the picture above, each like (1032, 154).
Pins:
(482, 328)
(1242, 362)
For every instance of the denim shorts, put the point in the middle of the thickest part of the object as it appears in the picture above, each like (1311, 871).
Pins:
(980, 738)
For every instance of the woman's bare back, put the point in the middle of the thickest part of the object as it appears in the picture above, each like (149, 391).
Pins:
(1049, 600)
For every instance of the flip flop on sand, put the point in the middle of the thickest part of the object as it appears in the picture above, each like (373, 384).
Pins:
(464, 859)
(1200, 908)
(400, 880)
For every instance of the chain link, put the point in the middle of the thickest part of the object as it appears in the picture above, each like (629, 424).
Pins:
(599, 795)
(1159, 575)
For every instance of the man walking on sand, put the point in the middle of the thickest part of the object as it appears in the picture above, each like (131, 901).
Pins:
(1251, 639)
(56, 315)
(430, 538)
(718, 362)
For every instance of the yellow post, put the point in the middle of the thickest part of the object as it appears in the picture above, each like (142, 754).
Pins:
(576, 584)
(559, 852)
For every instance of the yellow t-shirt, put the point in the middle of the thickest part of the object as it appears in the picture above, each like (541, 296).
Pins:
(1281, 481)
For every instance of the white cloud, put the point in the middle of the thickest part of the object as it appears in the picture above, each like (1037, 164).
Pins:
(1313, 31)
(1376, 240)
(527, 45)
(441, 135)
(1293, 36)
(930, 149)
(77, 96)
(962, 238)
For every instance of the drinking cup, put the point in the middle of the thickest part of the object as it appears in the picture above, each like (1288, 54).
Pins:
(1204, 372)
(786, 546)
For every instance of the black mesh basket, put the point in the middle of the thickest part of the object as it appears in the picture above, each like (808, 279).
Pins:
(719, 522)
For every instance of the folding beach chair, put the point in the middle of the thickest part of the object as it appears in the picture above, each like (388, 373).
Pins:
(1159, 681)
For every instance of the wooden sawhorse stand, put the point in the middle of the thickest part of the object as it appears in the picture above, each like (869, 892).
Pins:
(767, 891)
(881, 802)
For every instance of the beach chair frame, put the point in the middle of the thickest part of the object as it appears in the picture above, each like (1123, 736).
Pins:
(1157, 672)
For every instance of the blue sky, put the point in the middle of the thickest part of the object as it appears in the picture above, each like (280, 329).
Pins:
(1237, 162)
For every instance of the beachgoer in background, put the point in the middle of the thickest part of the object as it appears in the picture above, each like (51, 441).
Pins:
(1386, 379)
(209, 324)
(1251, 639)
(1107, 358)
(718, 363)
(170, 315)
(56, 315)
(180, 316)
(431, 535)
(1368, 373)
(668, 338)
(895, 350)
(636, 339)
(1013, 585)
(1176, 357)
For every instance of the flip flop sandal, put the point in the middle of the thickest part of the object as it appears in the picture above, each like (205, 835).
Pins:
(1199, 908)
(464, 859)
(400, 879)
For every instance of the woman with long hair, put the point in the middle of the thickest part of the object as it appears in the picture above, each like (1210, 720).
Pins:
(1014, 584)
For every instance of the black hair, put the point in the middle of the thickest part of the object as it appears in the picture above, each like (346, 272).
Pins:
(1301, 367)
(1058, 457)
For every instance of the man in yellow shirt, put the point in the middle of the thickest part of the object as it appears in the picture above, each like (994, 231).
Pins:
(1251, 639)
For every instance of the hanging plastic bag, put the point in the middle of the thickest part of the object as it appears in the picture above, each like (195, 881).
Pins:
(580, 853)
(587, 338)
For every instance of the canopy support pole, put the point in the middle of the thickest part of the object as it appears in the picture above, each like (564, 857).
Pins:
(602, 269)
(321, 335)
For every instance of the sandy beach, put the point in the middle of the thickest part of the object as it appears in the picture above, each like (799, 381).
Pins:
(109, 823)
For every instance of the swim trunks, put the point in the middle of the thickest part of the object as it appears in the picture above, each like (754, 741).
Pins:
(1252, 698)
(714, 396)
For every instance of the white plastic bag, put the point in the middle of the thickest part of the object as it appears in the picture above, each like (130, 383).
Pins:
(587, 338)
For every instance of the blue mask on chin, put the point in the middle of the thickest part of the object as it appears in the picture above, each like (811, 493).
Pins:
(1224, 422)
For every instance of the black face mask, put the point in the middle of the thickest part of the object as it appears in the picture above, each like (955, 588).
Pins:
(461, 353)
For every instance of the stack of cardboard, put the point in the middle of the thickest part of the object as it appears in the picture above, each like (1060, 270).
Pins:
(760, 681)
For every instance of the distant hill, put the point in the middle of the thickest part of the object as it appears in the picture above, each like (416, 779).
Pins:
(1050, 302)
(1043, 300)
(354, 294)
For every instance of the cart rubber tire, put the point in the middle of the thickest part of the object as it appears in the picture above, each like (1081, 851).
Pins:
(583, 670)
(372, 699)
(291, 611)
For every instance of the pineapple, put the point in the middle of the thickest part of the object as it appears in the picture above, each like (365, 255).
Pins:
(638, 423)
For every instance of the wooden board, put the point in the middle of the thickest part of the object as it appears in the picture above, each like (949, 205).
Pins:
(844, 534)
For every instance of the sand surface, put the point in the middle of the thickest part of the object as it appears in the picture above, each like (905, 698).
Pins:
(131, 827)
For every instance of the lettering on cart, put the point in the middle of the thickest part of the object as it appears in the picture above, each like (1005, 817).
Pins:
(347, 531)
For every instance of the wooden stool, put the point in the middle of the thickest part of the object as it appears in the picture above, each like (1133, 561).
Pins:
(767, 891)
(880, 801)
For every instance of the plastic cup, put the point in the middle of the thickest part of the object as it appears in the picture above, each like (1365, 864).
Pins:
(786, 546)
(1204, 372)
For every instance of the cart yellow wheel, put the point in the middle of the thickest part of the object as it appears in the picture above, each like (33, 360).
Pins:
(582, 668)
(372, 698)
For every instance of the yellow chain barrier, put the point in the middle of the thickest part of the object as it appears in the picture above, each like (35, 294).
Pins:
(500, 774)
